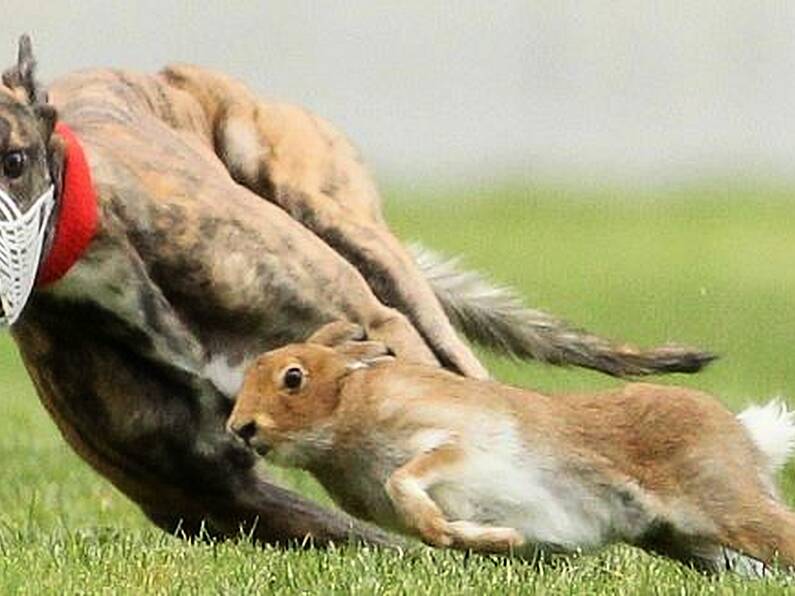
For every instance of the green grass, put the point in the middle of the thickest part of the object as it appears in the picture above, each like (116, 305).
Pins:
(714, 269)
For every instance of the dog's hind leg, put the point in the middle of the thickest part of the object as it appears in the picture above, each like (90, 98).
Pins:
(300, 162)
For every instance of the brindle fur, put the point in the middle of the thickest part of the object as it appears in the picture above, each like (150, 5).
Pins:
(228, 226)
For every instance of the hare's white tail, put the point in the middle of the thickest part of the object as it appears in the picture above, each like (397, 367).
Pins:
(772, 429)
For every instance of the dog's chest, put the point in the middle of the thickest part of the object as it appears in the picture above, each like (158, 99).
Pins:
(112, 279)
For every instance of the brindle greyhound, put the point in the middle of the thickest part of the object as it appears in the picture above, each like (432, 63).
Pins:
(218, 226)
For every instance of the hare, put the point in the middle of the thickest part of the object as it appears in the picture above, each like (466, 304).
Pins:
(479, 465)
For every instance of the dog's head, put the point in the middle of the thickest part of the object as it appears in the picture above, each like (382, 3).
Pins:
(290, 396)
(31, 161)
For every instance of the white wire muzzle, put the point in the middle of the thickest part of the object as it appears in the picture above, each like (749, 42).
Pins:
(21, 245)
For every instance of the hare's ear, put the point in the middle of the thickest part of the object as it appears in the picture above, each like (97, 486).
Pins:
(21, 79)
(364, 353)
(336, 333)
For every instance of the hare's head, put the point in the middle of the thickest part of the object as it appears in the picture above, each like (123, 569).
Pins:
(30, 164)
(289, 396)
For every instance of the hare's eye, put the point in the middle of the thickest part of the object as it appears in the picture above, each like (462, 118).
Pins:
(293, 377)
(13, 164)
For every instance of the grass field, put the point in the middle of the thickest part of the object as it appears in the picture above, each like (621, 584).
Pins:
(714, 269)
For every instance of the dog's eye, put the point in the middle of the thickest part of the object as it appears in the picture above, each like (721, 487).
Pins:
(13, 164)
(293, 377)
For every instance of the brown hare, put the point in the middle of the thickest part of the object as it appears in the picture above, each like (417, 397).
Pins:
(479, 465)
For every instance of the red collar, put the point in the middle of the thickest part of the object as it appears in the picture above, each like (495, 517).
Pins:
(77, 212)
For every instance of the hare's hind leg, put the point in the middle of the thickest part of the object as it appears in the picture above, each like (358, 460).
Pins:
(693, 551)
(751, 536)
(702, 554)
(731, 560)
(765, 532)
(408, 489)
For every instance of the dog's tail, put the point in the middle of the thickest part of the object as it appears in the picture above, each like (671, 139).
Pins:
(495, 318)
(772, 429)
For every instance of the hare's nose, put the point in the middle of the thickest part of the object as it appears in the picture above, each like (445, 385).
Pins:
(245, 431)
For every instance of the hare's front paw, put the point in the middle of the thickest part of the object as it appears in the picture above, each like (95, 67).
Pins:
(492, 539)
(435, 532)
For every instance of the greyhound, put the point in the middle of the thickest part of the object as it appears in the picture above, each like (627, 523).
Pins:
(158, 231)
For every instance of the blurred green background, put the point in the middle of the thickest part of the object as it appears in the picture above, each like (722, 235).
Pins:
(710, 267)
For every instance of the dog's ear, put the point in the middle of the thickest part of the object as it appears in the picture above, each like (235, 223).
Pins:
(21, 81)
(56, 151)
(21, 78)
(336, 333)
(47, 116)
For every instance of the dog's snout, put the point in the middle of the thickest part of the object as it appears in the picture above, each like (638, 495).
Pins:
(245, 430)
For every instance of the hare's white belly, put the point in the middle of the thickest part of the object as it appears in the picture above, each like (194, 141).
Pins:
(503, 483)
